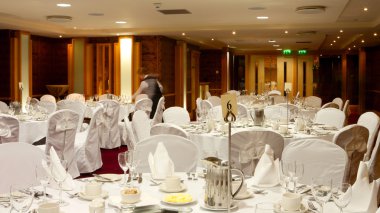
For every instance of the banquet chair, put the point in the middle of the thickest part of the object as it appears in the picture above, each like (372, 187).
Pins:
(9, 129)
(207, 94)
(107, 97)
(184, 161)
(50, 107)
(374, 161)
(157, 118)
(214, 100)
(330, 116)
(249, 145)
(76, 106)
(274, 92)
(353, 139)
(293, 109)
(127, 134)
(198, 103)
(76, 97)
(216, 113)
(339, 102)
(111, 132)
(87, 144)
(206, 105)
(48, 97)
(62, 126)
(276, 112)
(346, 110)
(330, 105)
(176, 115)
(237, 93)
(169, 129)
(321, 159)
(19, 163)
(313, 101)
(140, 125)
(371, 121)
(277, 99)
(4, 108)
(140, 96)
(144, 104)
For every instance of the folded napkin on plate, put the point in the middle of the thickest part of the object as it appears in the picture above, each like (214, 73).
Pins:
(160, 164)
(56, 170)
(266, 172)
(364, 193)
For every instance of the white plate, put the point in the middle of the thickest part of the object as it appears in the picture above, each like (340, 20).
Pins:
(246, 195)
(82, 195)
(233, 206)
(164, 189)
(111, 177)
(145, 200)
(179, 204)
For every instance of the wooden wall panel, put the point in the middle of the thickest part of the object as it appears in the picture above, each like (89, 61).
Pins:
(372, 86)
(5, 64)
(210, 69)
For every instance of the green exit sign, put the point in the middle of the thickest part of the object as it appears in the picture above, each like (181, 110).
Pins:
(287, 51)
(302, 52)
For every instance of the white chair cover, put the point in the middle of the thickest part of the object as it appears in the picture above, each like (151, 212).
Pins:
(107, 96)
(49, 98)
(110, 137)
(4, 108)
(242, 110)
(214, 100)
(371, 121)
(237, 93)
(176, 115)
(250, 145)
(330, 105)
(339, 102)
(217, 113)
(9, 129)
(157, 118)
(184, 161)
(313, 101)
(274, 92)
(277, 99)
(330, 116)
(320, 158)
(76, 106)
(293, 109)
(87, 144)
(76, 97)
(145, 105)
(207, 94)
(353, 139)
(18, 164)
(169, 129)
(140, 125)
(206, 105)
(129, 137)
(49, 106)
(198, 102)
(346, 109)
(141, 96)
(62, 126)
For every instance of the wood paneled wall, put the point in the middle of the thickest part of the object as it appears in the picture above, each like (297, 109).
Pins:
(5, 64)
(372, 79)
(211, 69)
(49, 63)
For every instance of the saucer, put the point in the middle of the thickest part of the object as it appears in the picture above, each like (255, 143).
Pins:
(245, 195)
(302, 209)
(164, 189)
(82, 195)
(203, 206)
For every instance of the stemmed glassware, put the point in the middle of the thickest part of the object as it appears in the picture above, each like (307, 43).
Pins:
(342, 195)
(21, 197)
(125, 161)
(291, 173)
(60, 177)
(43, 178)
(321, 189)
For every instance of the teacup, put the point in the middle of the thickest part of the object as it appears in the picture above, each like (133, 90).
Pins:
(130, 195)
(283, 129)
(291, 201)
(93, 189)
(243, 190)
(48, 207)
(172, 183)
(97, 206)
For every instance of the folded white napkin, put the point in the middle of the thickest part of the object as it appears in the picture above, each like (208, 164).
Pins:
(364, 193)
(266, 172)
(161, 166)
(56, 170)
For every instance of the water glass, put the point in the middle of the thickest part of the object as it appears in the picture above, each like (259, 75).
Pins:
(342, 195)
(125, 160)
(21, 197)
(44, 178)
(321, 189)
(60, 177)
(292, 172)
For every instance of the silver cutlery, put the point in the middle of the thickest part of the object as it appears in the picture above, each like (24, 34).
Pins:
(102, 177)
(189, 176)
(311, 206)
(139, 179)
(195, 176)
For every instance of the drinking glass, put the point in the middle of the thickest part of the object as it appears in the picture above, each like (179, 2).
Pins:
(125, 160)
(321, 189)
(21, 197)
(60, 177)
(265, 207)
(342, 195)
(43, 178)
(293, 171)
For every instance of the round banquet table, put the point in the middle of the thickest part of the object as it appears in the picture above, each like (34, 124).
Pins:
(32, 131)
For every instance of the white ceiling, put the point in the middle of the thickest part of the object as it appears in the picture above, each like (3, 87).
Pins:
(208, 19)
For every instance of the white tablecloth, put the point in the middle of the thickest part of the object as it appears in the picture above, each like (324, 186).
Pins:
(32, 131)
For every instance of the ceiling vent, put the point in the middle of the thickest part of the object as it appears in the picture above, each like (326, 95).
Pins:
(59, 18)
(175, 12)
(306, 33)
(310, 9)
(303, 42)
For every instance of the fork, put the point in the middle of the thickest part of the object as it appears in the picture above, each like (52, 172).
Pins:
(312, 207)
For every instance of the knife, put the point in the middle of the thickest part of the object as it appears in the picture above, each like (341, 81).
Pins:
(102, 177)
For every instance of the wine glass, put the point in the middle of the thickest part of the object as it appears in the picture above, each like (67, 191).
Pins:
(43, 178)
(125, 159)
(321, 189)
(21, 197)
(60, 176)
(293, 171)
(342, 195)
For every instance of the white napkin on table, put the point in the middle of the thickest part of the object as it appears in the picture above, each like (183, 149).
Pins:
(56, 169)
(364, 193)
(266, 172)
(160, 164)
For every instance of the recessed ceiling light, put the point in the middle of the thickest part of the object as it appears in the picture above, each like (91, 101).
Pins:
(279, 49)
(338, 37)
(354, 46)
(75, 28)
(228, 45)
(60, 36)
(120, 22)
(365, 9)
(233, 32)
(349, 48)
(286, 32)
(183, 34)
(63, 5)
(375, 34)
(117, 34)
(272, 41)
(341, 31)
(334, 41)
(320, 55)
(331, 44)
(362, 41)
(212, 39)
(262, 17)
(276, 45)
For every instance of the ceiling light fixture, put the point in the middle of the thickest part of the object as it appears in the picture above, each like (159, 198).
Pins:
(362, 41)
(272, 41)
(279, 49)
(365, 9)
(212, 39)
(262, 17)
(233, 32)
(311, 9)
(341, 31)
(375, 34)
(334, 41)
(183, 34)
(63, 5)
(60, 36)
(338, 37)
(276, 45)
(349, 49)
(286, 32)
(120, 22)
(354, 46)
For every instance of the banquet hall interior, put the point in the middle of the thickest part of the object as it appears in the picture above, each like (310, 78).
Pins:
(299, 72)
